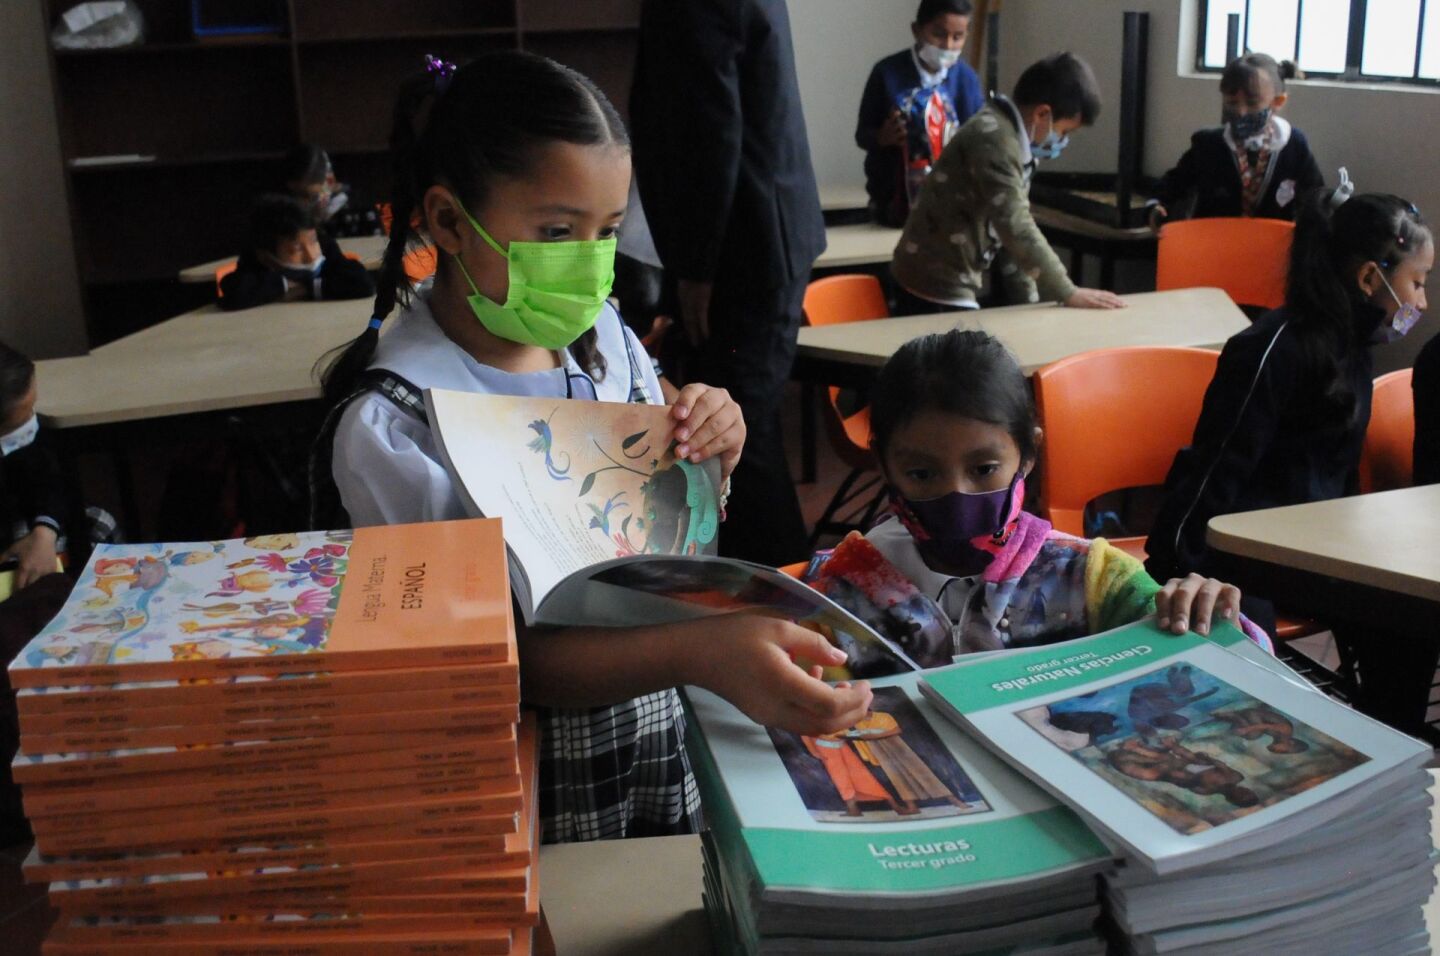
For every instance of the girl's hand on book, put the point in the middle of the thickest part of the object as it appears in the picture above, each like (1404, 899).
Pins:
(708, 422)
(748, 660)
(34, 554)
(1193, 602)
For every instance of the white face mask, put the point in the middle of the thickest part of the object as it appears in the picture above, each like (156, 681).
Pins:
(20, 437)
(937, 60)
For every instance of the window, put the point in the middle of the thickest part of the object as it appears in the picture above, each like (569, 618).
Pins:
(1370, 40)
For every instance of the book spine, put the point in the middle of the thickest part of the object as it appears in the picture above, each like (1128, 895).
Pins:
(293, 687)
(103, 721)
(509, 908)
(287, 932)
(364, 747)
(286, 829)
(502, 794)
(479, 652)
(422, 945)
(501, 851)
(187, 734)
(260, 786)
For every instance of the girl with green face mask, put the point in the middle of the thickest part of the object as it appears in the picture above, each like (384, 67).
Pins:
(517, 169)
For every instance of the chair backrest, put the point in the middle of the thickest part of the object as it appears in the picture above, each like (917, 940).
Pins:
(1248, 258)
(223, 271)
(1387, 459)
(1114, 418)
(833, 301)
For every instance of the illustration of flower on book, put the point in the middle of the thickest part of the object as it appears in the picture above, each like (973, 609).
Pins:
(674, 510)
(1190, 748)
(276, 594)
(889, 766)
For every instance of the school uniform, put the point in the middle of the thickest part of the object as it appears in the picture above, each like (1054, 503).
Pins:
(1214, 173)
(32, 491)
(902, 82)
(723, 165)
(1266, 437)
(974, 205)
(1426, 385)
(605, 772)
(255, 283)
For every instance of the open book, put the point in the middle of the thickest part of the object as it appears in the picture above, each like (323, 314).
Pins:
(604, 526)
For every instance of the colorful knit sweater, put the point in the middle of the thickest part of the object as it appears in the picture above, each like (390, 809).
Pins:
(1043, 587)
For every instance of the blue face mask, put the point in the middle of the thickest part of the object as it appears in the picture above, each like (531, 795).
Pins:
(1051, 147)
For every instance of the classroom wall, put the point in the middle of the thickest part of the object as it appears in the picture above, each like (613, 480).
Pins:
(1378, 132)
(40, 310)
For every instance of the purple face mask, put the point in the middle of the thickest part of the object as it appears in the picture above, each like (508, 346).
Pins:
(1404, 320)
(962, 532)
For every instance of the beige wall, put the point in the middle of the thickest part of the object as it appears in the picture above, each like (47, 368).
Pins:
(40, 309)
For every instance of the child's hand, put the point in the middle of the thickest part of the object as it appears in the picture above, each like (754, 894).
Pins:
(1193, 601)
(1094, 299)
(708, 422)
(892, 131)
(748, 661)
(35, 553)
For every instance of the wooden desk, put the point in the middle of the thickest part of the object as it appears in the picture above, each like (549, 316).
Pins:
(836, 198)
(642, 897)
(1038, 334)
(370, 249)
(858, 244)
(1366, 565)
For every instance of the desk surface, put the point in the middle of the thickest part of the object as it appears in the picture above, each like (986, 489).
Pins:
(642, 897)
(1385, 540)
(370, 249)
(202, 361)
(836, 198)
(1040, 334)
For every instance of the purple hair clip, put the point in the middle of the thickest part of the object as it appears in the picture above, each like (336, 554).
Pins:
(442, 70)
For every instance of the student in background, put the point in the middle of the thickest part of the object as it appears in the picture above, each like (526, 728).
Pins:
(1426, 384)
(32, 490)
(975, 203)
(954, 429)
(287, 258)
(518, 168)
(1254, 164)
(1284, 419)
(310, 178)
(913, 103)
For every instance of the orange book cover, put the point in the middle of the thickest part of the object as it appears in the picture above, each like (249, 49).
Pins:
(510, 908)
(126, 738)
(390, 596)
(39, 768)
(253, 689)
(280, 828)
(513, 849)
(295, 708)
(291, 930)
(261, 786)
(486, 942)
(500, 794)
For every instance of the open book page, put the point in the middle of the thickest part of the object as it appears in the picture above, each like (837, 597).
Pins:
(576, 482)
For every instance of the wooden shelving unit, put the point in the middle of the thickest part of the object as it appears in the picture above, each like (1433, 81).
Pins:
(211, 119)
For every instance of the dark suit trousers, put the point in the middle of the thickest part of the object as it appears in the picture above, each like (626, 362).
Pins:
(750, 351)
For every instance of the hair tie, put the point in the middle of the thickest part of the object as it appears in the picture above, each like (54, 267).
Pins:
(443, 71)
(1342, 192)
(376, 321)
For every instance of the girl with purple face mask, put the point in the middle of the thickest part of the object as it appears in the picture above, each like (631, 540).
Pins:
(954, 428)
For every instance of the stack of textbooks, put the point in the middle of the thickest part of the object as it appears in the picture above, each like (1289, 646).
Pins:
(295, 743)
(1251, 813)
(898, 835)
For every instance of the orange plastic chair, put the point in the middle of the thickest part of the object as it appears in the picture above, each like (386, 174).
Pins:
(1248, 258)
(794, 570)
(832, 301)
(1090, 448)
(1387, 459)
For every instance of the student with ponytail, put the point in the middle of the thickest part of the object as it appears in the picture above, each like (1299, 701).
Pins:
(1285, 416)
(517, 169)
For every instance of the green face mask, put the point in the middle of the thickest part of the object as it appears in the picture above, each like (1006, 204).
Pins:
(557, 289)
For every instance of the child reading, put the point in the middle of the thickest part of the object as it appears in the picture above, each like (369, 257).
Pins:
(287, 258)
(1253, 164)
(975, 203)
(953, 427)
(518, 169)
(913, 103)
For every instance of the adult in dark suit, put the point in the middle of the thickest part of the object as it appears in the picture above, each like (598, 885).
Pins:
(725, 177)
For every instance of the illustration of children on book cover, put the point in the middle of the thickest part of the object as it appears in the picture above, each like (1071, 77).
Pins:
(156, 602)
(1191, 749)
(889, 767)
